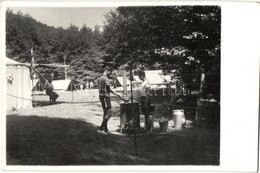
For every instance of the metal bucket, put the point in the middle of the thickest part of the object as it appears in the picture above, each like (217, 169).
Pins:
(163, 125)
(126, 115)
(179, 119)
(207, 112)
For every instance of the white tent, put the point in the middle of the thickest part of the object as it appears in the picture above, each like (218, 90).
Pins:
(64, 85)
(120, 80)
(18, 85)
(156, 77)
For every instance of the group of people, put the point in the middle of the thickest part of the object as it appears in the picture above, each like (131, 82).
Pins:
(105, 90)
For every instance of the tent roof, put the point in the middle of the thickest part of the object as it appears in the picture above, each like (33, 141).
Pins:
(153, 76)
(9, 61)
(156, 77)
(120, 80)
(61, 84)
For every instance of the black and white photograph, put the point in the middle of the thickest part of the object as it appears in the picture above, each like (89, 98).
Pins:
(121, 85)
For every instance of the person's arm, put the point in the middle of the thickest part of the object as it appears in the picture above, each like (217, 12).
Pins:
(115, 93)
(144, 84)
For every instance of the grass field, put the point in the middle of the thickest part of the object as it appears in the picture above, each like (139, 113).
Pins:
(66, 134)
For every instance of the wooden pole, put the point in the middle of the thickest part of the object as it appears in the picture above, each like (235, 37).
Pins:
(124, 83)
(133, 110)
(65, 70)
(33, 103)
(71, 91)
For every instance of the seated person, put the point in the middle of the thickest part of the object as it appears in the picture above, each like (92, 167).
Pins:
(49, 91)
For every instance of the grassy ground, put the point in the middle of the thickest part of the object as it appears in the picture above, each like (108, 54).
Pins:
(66, 134)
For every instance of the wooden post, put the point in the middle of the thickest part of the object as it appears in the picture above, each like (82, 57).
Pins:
(65, 71)
(124, 82)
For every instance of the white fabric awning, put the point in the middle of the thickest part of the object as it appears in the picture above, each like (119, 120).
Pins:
(9, 61)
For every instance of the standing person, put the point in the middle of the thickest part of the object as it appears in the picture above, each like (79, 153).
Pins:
(145, 100)
(90, 84)
(202, 82)
(81, 87)
(104, 97)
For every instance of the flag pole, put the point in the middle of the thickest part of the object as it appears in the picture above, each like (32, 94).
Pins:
(32, 73)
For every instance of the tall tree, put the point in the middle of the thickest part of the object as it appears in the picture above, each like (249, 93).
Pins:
(72, 46)
(179, 38)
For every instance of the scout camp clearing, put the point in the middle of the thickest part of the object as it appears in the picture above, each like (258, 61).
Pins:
(66, 134)
(177, 47)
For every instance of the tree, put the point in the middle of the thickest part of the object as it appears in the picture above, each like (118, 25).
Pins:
(179, 38)
(73, 46)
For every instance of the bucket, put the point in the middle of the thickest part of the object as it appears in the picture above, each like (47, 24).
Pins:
(179, 119)
(126, 115)
(163, 125)
(207, 112)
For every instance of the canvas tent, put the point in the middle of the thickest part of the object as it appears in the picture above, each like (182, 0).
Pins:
(156, 78)
(63, 85)
(18, 85)
(37, 85)
(120, 80)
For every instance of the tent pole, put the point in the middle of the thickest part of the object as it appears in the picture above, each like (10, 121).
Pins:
(33, 102)
(124, 82)
(71, 91)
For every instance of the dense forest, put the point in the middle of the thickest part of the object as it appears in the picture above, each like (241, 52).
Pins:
(176, 39)
(77, 47)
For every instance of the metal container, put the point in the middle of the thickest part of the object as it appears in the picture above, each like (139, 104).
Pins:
(126, 116)
(179, 119)
(207, 112)
(163, 125)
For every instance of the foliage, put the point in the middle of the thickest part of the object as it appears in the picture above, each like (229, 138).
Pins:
(73, 46)
(179, 38)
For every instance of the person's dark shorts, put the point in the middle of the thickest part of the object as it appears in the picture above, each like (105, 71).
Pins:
(105, 101)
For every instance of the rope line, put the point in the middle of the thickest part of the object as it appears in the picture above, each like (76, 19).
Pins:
(97, 101)
(56, 101)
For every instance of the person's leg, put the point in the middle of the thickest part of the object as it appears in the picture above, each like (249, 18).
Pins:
(144, 110)
(147, 112)
(54, 96)
(103, 103)
(49, 94)
(108, 112)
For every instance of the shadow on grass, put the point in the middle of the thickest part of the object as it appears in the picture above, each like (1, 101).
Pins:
(46, 103)
(33, 140)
